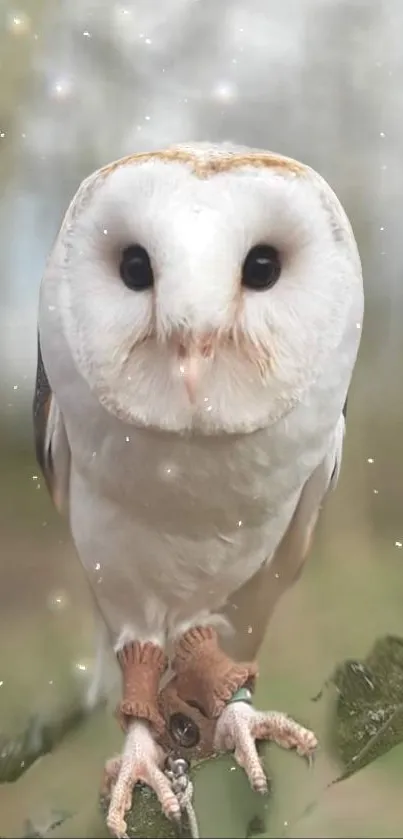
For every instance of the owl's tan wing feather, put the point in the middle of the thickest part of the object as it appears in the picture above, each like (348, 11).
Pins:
(51, 443)
(251, 607)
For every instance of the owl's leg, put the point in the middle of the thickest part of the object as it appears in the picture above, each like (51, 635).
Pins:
(142, 665)
(223, 689)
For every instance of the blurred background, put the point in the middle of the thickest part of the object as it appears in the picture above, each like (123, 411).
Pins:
(83, 82)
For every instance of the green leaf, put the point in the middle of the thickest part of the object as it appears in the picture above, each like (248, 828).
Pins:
(367, 719)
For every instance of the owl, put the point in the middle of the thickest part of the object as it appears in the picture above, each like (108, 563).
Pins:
(199, 323)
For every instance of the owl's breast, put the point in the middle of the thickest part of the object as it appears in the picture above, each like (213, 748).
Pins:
(186, 518)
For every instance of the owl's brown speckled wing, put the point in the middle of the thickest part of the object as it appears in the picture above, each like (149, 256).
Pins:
(51, 443)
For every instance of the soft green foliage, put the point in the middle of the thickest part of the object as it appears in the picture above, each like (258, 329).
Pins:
(368, 715)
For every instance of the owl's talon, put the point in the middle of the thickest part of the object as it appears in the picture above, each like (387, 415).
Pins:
(310, 759)
(110, 775)
(240, 725)
(141, 760)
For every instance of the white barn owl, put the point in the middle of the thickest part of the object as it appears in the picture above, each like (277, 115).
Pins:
(198, 329)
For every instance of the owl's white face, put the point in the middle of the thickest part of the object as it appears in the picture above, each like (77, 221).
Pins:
(204, 290)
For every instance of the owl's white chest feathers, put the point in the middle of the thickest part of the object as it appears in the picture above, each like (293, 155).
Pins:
(171, 525)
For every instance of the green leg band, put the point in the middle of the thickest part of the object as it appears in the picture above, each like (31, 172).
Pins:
(241, 695)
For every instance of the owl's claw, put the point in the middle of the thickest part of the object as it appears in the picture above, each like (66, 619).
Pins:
(141, 760)
(240, 725)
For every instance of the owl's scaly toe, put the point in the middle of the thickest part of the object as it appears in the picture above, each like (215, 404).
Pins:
(142, 761)
(240, 725)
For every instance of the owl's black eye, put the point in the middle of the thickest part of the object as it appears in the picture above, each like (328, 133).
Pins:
(262, 268)
(135, 268)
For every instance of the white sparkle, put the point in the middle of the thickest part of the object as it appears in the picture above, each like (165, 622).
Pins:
(240, 523)
(19, 23)
(382, 134)
(225, 91)
(382, 229)
(97, 566)
(34, 477)
(87, 34)
(399, 544)
(250, 630)
(2, 134)
(277, 575)
(209, 408)
(94, 454)
(358, 325)
(375, 491)
(127, 439)
(370, 460)
(61, 88)
(51, 681)
(105, 232)
(1, 684)
(51, 308)
(57, 601)
(81, 667)
(148, 41)
(147, 117)
(15, 387)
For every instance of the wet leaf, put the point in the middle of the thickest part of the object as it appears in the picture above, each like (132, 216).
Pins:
(368, 713)
(18, 753)
(39, 737)
(36, 831)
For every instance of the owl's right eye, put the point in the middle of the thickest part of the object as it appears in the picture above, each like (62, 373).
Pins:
(135, 268)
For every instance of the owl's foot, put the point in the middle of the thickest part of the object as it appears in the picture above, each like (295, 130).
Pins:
(142, 761)
(240, 725)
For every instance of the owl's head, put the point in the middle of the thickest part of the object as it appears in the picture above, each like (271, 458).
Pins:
(207, 288)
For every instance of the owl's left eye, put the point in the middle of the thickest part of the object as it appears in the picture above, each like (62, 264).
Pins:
(135, 268)
(262, 268)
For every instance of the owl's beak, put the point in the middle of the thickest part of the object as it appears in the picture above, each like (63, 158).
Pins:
(193, 358)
